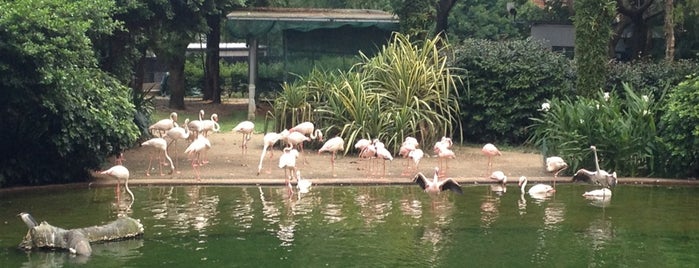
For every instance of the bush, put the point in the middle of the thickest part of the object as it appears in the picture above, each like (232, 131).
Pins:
(651, 78)
(623, 130)
(505, 83)
(679, 130)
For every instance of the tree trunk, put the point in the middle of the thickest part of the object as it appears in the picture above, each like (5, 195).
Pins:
(78, 241)
(212, 71)
(669, 30)
(443, 9)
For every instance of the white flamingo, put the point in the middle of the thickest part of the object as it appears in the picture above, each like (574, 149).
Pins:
(333, 145)
(246, 128)
(435, 185)
(195, 149)
(444, 153)
(416, 155)
(210, 125)
(175, 134)
(598, 177)
(159, 145)
(196, 126)
(500, 177)
(598, 193)
(288, 162)
(383, 154)
(164, 125)
(304, 185)
(268, 141)
(120, 172)
(409, 145)
(308, 129)
(536, 190)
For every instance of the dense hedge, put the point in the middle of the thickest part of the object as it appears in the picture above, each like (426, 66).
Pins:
(504, 85)
(679, 130)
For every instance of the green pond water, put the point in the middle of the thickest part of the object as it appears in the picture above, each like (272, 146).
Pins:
(367, 226)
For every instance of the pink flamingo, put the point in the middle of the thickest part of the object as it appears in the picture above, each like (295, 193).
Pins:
(210, 125)
(555, 165)
(409, 145)
(246, 128)
(416, 155)
(366, 151)
(490, 151)
(164, 124)
(196, 126)
(268, 141)
(333, 145)
(295, 139)
(159, 145)
(444, 154)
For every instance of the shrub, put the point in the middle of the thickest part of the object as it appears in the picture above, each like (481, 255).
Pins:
(679, 130)
(505, 83)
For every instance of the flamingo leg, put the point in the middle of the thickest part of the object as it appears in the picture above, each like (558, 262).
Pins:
(332, 161)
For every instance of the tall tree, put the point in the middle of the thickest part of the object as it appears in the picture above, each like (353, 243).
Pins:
(638, 13)
(443, 9)
(669, 27)
(592, 21)
(215, 11)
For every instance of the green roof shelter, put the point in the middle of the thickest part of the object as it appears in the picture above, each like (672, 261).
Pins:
(338, 31)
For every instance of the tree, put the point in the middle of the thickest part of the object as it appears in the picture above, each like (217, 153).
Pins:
(592, 21)
(443, 9)
(637, 13)
(669, 27)
(63, 114)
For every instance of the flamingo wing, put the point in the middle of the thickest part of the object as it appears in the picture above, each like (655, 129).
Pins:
(584, 175)
(420, 180)
(450, 184)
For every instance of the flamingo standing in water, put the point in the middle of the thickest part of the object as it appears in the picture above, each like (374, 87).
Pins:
(500, 177)
(175, 134)
(288, 162)
(304, 185)
(246, 128)
(120, 172)
(555, 165)
(159, 145)
(490, 151)
(435, 186)
(598, 177)
(268, 141)
(195, 149)
(333, 145)
(164, 124)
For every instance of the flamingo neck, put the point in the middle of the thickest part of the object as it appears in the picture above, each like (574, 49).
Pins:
(524, 184)
(315, 134)
(594, 150)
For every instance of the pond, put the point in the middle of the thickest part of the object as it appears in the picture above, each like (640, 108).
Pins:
(368, 226)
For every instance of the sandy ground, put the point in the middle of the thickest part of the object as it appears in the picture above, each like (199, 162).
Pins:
(229, 164)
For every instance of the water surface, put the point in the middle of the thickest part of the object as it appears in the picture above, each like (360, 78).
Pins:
(367, 226)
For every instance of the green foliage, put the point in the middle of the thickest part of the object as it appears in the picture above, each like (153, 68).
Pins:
(64, 116)
(487, 19)
(593, 20)
(651, 77)
(680, 130)
(506, 82)
(416, 17)
(405, 90)
(623, 130)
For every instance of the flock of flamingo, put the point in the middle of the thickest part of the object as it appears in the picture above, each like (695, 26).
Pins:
(197, 131)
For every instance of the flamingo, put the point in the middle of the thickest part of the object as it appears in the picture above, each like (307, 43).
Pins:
(537, 189)
(409, 145)
(246, 128)
(210, 125)
(333, 145)
(366, 151)
(28, 220)
(194, 150)
(288, 162)
(416, 155)
(120, 172)
(444, 154)
(383, 154)
(175, 134)
(555, 165)
(598, 177)
(435, 185)
(196, 126)
(490, 151)
(295, 139)
(164, 124)
(268, 141)
(500, 177)
(308, 129)
(159, 145)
